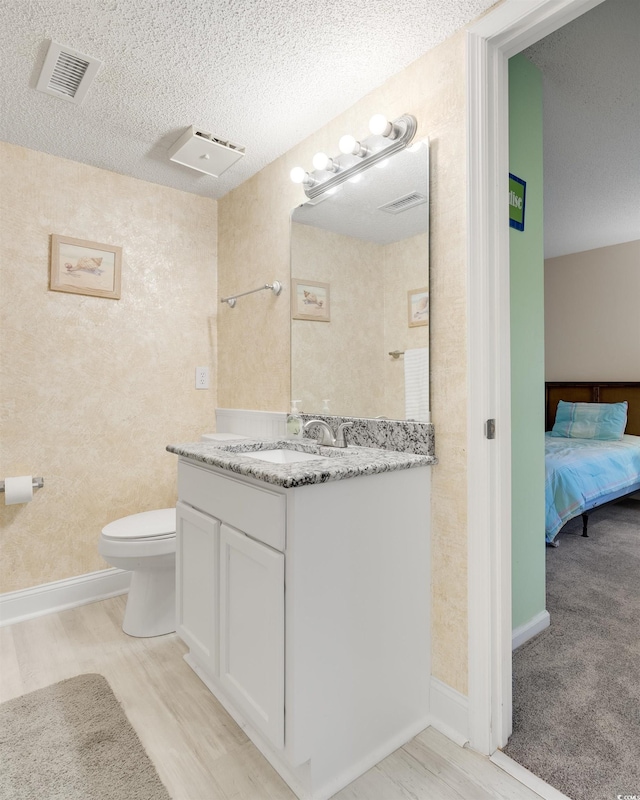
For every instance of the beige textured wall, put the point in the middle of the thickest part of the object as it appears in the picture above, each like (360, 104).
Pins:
(592, 324)
(254, 337)
(91, 389)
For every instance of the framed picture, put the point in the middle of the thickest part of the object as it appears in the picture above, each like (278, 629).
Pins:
(418, 307)
(83, 267)
(517, 198)
(310, 300)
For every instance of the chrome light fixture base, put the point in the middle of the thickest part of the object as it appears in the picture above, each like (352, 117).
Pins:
(404, 127)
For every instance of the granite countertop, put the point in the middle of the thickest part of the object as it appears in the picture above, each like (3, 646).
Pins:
(336, 464)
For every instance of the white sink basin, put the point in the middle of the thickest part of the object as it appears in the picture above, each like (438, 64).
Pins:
(283, 456)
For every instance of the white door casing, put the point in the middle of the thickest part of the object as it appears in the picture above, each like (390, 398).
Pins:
(511, 27)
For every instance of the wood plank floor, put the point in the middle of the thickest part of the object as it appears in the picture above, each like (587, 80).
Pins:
(198, 750)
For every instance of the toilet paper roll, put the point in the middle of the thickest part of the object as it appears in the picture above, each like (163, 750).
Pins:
(18, 490)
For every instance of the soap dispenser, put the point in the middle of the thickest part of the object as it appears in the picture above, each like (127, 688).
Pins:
(294, 422)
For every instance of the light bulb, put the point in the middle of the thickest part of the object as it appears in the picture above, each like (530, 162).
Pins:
(348, 144)
(297, 174)
(321, 161)
(379, 125)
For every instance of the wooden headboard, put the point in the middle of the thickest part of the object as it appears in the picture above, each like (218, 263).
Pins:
(588, 392)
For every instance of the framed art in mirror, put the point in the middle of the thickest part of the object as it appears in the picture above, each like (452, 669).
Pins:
(310, 300)
(418, 307)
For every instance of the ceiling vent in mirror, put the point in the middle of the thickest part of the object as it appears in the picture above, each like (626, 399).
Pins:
(66, 73)
(404, 203)
(200, 150)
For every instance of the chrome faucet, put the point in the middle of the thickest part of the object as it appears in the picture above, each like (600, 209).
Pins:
(328, 438)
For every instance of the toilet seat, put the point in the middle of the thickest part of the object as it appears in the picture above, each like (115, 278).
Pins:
(150, 533)
(148, 526)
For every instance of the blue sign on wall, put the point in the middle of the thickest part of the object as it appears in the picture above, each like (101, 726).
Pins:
(517, 197)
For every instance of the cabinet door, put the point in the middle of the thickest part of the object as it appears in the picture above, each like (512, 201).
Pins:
(197, 585)
(252, 631)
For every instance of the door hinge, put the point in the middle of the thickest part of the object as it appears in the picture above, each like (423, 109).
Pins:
(490, 429)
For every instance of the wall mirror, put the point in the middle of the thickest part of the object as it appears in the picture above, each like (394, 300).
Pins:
(360, 294)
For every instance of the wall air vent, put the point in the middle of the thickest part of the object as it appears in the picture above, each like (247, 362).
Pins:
(404, 203)
(203, 151)
(66, 73)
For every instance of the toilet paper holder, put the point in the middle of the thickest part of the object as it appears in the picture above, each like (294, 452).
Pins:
(37, 483)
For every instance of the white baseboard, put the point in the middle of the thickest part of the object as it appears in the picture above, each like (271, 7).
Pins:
(527, 778)
(60, 595)
(449, 712)
(257, 424)
(535, 625)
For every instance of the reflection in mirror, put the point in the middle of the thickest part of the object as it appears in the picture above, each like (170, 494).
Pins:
(360, 294)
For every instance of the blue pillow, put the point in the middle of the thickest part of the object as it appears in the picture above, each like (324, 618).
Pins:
(590, 420)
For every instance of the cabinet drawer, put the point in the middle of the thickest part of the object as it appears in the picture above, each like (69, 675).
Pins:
(257, 512)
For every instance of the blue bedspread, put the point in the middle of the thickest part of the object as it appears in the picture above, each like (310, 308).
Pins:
(581, 473)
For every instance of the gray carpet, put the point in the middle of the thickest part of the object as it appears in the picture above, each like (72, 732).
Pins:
(72, 741)
(576, 694)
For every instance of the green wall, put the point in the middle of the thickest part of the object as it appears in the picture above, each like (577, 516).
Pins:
(527, 346)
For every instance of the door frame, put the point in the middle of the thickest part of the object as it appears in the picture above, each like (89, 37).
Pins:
(496, 37)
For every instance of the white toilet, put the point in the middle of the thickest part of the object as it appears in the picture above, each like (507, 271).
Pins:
(145, 544)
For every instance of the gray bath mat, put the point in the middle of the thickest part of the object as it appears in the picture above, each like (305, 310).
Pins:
(73, 741)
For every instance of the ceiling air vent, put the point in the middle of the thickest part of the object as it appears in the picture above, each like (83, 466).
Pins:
(66, 73)
(404, 203)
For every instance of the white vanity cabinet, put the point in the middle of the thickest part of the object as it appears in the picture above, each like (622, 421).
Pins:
(197, 583)
(252, 631)
(306, 612)
(230, 591)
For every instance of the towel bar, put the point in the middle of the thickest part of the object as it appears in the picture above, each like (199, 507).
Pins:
(276, 288)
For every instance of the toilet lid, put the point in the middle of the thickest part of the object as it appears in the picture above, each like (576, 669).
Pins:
(156, 524)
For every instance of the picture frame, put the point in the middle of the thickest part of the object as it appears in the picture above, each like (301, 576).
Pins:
(418, 307)
(517, 201)
(79, 266)
(310, 300)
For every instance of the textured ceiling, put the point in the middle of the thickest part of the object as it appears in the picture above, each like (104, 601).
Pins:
(264, 74)
(591, 90)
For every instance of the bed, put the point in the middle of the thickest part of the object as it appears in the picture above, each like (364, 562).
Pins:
(583, 475)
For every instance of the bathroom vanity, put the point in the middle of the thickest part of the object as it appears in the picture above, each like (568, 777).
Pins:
(303, 594)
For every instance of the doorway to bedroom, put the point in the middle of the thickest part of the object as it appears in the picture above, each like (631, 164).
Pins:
(575, 286)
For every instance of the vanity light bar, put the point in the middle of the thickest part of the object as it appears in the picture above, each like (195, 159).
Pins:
(398, 135)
